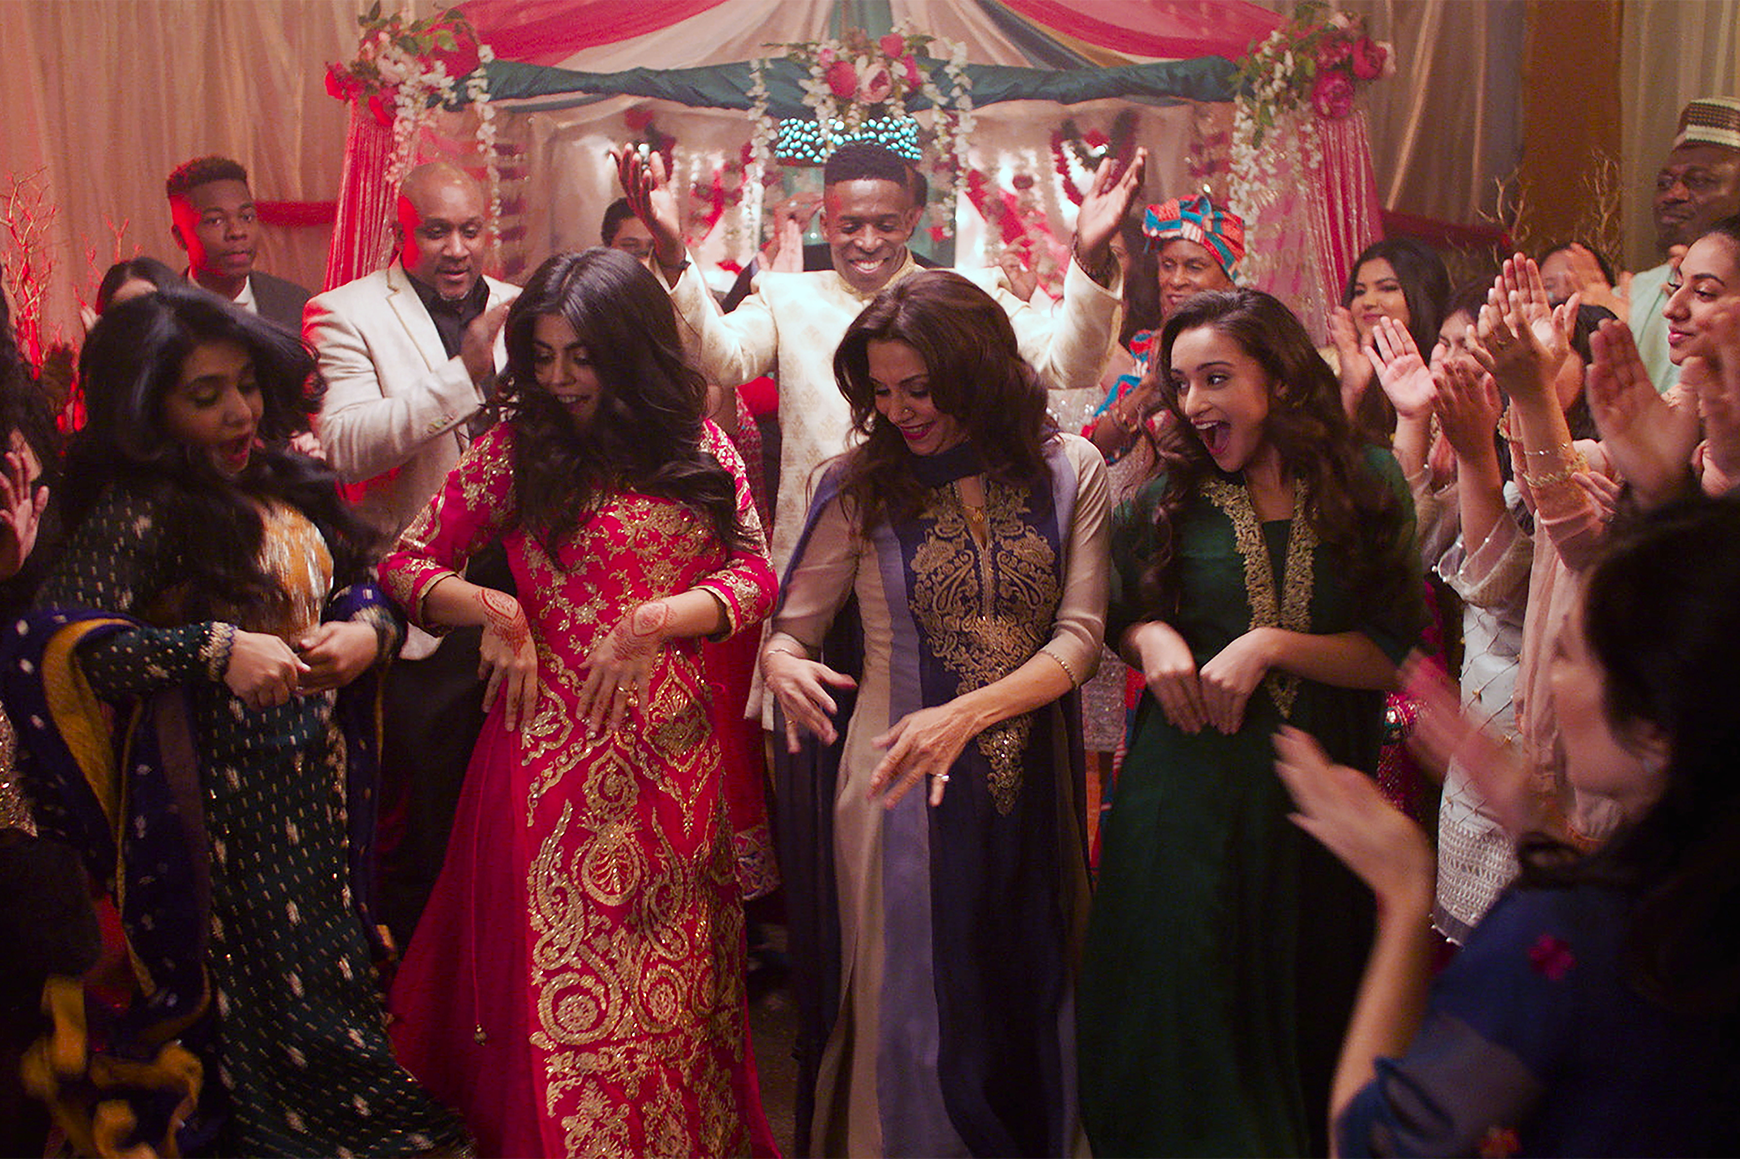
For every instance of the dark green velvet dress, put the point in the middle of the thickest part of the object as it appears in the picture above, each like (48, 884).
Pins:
(1225, 946)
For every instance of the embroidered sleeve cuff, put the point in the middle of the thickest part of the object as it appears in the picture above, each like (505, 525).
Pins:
(220, 638)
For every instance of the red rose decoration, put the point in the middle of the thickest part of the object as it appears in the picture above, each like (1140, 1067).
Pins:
(1368, 59)
(1332, 95)
(1551, 957)
(842, 79)
(339, 86)
(913, 80)
(892, 45)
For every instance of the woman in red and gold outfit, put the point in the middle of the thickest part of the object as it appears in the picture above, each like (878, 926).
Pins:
(576, 984)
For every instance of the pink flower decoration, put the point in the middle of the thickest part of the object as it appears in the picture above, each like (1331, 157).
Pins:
(1551, 957)
(825, 57)
(339, 86)
(1332, 95)
(913, 80)
(892, 44)
(1332, 52)
(876, 85)
(842, 79)
(1368, 59)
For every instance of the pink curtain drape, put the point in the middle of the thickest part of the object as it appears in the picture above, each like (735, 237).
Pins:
(365, 202)
(1165, 29)
(550, 31)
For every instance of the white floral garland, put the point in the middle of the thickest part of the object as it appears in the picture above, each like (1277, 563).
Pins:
(411, 104)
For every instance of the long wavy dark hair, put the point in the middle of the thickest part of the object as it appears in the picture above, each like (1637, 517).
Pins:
(1676, 673)
(976, 375)
(132, 359)
(1351, 510)
(645, 435)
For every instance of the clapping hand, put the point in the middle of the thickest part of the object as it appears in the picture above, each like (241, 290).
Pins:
(1401, 372)
(1522, 340)
(1590, 284)
(1650, 437)
(1715, 380)
(1355, 372)
(1468, 406)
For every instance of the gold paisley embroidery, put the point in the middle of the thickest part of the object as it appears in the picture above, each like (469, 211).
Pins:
(986, 611)
(636, 960)
(1293, 609)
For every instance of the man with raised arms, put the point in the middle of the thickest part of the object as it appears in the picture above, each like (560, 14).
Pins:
(792, 323)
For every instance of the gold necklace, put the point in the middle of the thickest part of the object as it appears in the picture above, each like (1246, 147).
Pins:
(975, 514)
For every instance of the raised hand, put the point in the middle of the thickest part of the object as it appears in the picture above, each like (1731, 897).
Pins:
(1716, 383)
(1467, 404)
(1649, 437)
(1355, 373)
(1401, 372)
(21, 508)
(1522, 340)
(647, 188)
(1442, 733)
(1591, 284)
(1103, 209)
(1344, 809)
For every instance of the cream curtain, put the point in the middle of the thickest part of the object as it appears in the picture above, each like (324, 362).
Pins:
(102, 98)
(1671, 51)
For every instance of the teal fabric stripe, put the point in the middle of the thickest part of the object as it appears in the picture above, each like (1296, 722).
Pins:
(726, 86)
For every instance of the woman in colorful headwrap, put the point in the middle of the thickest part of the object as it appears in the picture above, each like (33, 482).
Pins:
(1193, 245)
(193, 709)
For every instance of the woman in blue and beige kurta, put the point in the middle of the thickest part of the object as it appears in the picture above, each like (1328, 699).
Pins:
(942, 937)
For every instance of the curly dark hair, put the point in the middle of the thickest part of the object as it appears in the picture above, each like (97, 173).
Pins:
(1352, 511)
(976, 375)
(131, 361)
(200, 171)
(645, 435)
(1676, 674)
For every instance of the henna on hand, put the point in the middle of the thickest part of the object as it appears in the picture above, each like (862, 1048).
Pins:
(503, 616)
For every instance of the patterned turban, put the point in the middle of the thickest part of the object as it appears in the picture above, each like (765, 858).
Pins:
(1199, 220)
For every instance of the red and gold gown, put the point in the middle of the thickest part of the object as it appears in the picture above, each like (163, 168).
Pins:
(576, 985)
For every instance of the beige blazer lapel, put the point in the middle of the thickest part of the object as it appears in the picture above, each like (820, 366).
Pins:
(414, 316)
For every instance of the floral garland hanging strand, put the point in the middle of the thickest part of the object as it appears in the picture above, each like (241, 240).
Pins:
(404, 68)
(1311, 68)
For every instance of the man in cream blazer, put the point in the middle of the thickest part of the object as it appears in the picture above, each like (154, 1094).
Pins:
(410, 354)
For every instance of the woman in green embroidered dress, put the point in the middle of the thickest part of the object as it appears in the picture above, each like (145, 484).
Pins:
(1261, 578)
